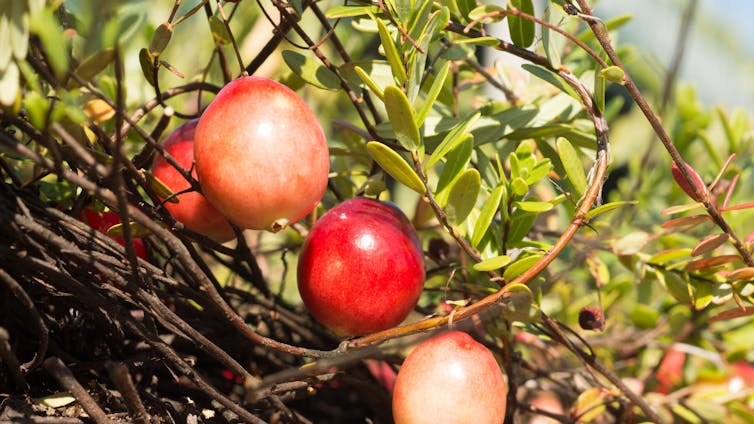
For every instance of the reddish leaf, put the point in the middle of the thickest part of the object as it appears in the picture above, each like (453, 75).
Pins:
(738, 207)
(680, 208)
(709, 243)
(686, 220)
(741, 274)
(711, 262)
(732, 314)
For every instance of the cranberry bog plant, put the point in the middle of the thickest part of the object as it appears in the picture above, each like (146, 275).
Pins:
(582, 214)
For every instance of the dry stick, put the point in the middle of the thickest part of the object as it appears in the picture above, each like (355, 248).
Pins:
(153, 340)
(65, 377)
(219, 304)
(35, 317)
(11, 360)
(711, 208)
(119, 374)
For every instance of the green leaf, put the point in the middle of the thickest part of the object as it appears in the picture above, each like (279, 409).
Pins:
(401, 118)
(536, 207)
(491, 264)
(350, 11)
(613, 74)
(599, 93)
(522, 30)
(219, 31)
(553, 42)
(456, 162)
(463, 195)
(483, 12)
(162, 35)
(607, 207)
(391, 52)
(590, 405)
(519, 186)
(432, 94)
(612, 24)
(311, 70)
(451, 140)
(95, 63)
(369, 82)
(36, 107)
(644, 317)
(488, 41)
(552, 78)
(392, 163)
(487, 214)
(520, 266)
(147, 65)
(572, 164)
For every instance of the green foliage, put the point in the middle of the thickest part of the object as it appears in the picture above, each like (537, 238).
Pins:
(493, 163)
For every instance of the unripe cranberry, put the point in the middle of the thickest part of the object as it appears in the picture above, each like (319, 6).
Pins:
(450, 379)
(261, 156)
(361, 268)
(192, 210)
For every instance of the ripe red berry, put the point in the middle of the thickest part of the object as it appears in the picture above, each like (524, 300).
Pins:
(361, 268)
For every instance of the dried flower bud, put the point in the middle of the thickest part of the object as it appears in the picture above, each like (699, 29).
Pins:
(591, 318)
(696, 179)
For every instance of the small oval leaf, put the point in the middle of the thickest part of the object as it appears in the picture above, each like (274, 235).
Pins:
(613, 74)
(401, 118)
(487, 214)
(219, 31)
(392, 163)
(463, 195)
(518, 304)
(707, 263)
(159, 188)
(607, 207)
(493, 263)
(146, 61)
(520, 266)
(690, 221)
(391, 52)
(161, 38)
(536, 207)
(137, 230)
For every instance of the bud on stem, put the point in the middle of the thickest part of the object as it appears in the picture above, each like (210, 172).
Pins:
(687, 187)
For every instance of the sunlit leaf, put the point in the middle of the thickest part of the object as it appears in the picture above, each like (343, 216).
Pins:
(456, 162)
(741, 274)
(590, 405)
(520, 266)
(613, 74)
(137, 230)
(401, 118)
(56, 400)
(311, 71)
(369, 82)
(392, 163)
(486, 215)
(493, 263)
(350, 11)
(462, 196)
(532, 206)
(9, 84)
(391, 52)
(607, 207)
(549, 76)
(95, 63)
(160, 188)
